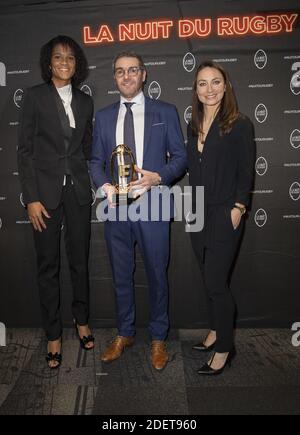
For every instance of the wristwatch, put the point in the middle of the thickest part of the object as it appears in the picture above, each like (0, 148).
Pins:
(241, 209)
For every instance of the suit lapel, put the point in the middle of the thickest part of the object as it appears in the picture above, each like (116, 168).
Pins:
(149, 112)
(113, 126)
(54, 104)
(74, 105)
(63, 120)
(55, 110)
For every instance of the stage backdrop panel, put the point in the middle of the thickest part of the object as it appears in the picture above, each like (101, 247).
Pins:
(259, 44)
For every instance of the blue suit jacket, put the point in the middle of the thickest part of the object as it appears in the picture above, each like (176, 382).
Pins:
(162, 138)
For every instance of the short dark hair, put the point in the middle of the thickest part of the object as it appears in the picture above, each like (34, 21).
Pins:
(128, 54)
(81, 68)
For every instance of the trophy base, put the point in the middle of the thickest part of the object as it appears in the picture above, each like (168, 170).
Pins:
(123, 199)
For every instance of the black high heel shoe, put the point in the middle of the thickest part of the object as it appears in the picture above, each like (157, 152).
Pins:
(54, 357)
(202, 348)
(84, 340)
(207, 370)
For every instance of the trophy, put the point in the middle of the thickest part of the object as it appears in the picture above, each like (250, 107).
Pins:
(122, 170)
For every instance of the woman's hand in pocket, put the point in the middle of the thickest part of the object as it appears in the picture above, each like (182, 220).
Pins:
(235, 217)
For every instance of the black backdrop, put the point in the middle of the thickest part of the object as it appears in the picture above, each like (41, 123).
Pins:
(265, 67)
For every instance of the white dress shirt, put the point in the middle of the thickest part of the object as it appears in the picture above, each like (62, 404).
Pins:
(65, 94)
(138, 110)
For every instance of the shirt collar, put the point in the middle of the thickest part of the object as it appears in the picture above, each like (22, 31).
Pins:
(65, 90)
(138, 99)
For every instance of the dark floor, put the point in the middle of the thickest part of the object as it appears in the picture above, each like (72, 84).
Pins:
(264, 377)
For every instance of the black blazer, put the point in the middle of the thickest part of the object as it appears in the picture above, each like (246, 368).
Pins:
(226, 172)
(42, 152)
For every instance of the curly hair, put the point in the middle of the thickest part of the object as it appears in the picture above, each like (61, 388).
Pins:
(228, 111)
(81, 71)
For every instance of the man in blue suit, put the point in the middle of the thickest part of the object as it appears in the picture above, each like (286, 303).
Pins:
(152, 130)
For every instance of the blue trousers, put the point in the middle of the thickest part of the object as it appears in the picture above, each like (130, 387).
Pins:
(153, 239)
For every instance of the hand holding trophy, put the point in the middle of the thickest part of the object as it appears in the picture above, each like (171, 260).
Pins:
(122, 168)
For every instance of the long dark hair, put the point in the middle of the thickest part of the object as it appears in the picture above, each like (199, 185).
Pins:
(228, 111)
(81, 68)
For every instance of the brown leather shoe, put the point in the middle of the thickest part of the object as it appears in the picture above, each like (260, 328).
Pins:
(159, 354)
(116, 348)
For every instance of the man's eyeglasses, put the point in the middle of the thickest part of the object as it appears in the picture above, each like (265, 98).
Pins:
(132, 71)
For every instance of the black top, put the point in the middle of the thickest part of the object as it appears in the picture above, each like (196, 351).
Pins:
(225, 168)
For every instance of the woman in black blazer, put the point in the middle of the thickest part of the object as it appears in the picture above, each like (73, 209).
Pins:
(55, 138)
(221, 158)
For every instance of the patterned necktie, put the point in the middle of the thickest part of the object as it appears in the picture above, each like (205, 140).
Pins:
(129, 129)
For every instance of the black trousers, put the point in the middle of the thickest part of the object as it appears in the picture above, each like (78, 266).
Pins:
(76, 220)
(216, 262)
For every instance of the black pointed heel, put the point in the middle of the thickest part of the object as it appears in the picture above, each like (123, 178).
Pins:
(85, 339)
(207, 370)
(202, 348)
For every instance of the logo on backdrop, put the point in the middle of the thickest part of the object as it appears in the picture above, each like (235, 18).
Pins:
(189, 62)
(295, 138)
(295, 80)
(296, 336)
(260, 59)
(21, 200)
(295, 191)
(154, 90)
(260, 217)
(18, 95)
(86, 89)
(188, 114)
(261, 166)
(2, 74)
(2, 334)
(261, 113)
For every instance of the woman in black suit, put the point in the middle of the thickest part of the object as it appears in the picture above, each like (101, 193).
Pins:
(221, 158)
(55, 138)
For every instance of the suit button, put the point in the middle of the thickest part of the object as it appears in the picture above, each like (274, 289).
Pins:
(200, 159)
